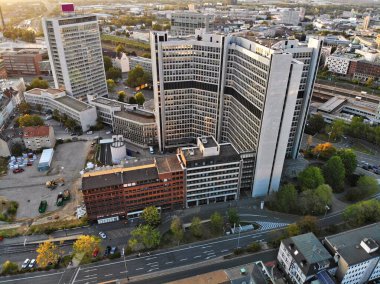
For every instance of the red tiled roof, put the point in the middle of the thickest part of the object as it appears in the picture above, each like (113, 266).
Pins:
(36, 131)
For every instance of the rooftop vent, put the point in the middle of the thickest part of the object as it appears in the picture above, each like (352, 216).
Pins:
(369, 245)
(204, 140)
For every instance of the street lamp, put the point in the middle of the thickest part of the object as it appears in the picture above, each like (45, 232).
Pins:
(326, 209)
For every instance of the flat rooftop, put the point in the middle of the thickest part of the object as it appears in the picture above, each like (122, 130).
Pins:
(332, 104)
(136, 115)
(73, 103)
(226, 153)
(208, 142)
(108, 102)
(168, 164)
(38, 91)
(348, 243)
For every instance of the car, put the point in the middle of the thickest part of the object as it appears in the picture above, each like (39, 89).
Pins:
(16, 171)
(89, 132)
(107, 251)
(25, 263)
(95, 252)
(108, 132)
(113, 250)
(102, 235)
(32, 263)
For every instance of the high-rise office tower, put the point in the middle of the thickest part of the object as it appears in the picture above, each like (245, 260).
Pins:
(253, 95)
(75, 53)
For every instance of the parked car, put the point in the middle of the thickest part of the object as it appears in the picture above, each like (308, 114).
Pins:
(107, 251)
(113, 250)
(16, 171)
(25, 264)
(102, 235)
(32, 263)
(96, 252)
(108, 132)
(89, 132)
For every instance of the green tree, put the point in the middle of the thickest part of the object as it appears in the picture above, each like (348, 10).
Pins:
(336, 129)
(9, 267)
(38, 83)
(151, 216)
(196, 227)
(334, 173)
(157, 27)
(293, 230)
(137, 77)
(140, 99)
(366, 187)
(362, 213)
(24, 107)
(308, 224)
(369, 82)
(132, 100)
(147, 236)
(216, 222)
(16, 149)
(324, 151)
(30, 120)
(176, 229)
(86, 244)
(316, 123)
(349, 160)
(113, 73)
(286, 199)
(233, 216)
(70, 123)
(121, 96)
(146, 55)
(310, 178)
(111, 85)
(120, 49)
(107, 63)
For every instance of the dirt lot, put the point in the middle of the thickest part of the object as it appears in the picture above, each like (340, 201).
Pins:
(28, 188)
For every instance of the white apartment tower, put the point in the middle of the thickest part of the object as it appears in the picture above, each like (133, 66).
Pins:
(238, 91)
(75, 54)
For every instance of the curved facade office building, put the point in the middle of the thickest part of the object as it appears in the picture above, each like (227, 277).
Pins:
(253, 95)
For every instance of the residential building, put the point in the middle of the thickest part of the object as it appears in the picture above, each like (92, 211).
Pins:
(75, 54)
(303, 258)
(357, 254)
(57, 100)
(137, 125)
(339, 63)
(23, 62)
(290, 17)
(213, 172)
(38, 137)
(144, 63)
(238, 91)
(123, 192)
(121, 61)
(185, 23)
(363, 70)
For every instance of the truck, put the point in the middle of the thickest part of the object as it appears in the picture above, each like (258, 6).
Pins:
(62, 197)
(43, 206)
(52, 184)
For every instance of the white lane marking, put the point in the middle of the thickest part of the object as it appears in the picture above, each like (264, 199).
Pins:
(224, 250)
(210, 256)
(92, 275)
(139, 268)
(169, 262)
(38, 276)
(183, 259)
(206, 246)
(90, 270)
(150, 270)
(207, 251)
(149, 258)
(152, 263)
(108, 275)
(197, 256)
(85, 279)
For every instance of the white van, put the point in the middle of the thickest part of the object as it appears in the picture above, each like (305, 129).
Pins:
(151, 150)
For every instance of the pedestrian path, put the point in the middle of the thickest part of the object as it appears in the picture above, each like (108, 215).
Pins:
(270, 225)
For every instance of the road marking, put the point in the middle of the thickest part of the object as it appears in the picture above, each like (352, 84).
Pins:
(210, 256)
(92, 275)
(155, 268)
(206, 246)
(108, 275)
(90, 270)
(207, 251)
(152, 263)
(31, 277)
(224, 250)
(149, 258)
(183, 259)
(169, 262)
(84, 279)
(139, 268)
(197, 256)
(210, 253)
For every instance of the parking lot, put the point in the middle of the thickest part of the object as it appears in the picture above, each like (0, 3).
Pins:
(28, 188)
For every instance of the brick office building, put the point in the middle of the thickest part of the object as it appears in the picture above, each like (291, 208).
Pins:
(124, 192)
(23, 62)
(362, 70)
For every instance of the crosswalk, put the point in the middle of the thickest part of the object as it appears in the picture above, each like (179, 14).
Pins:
(270, 225)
